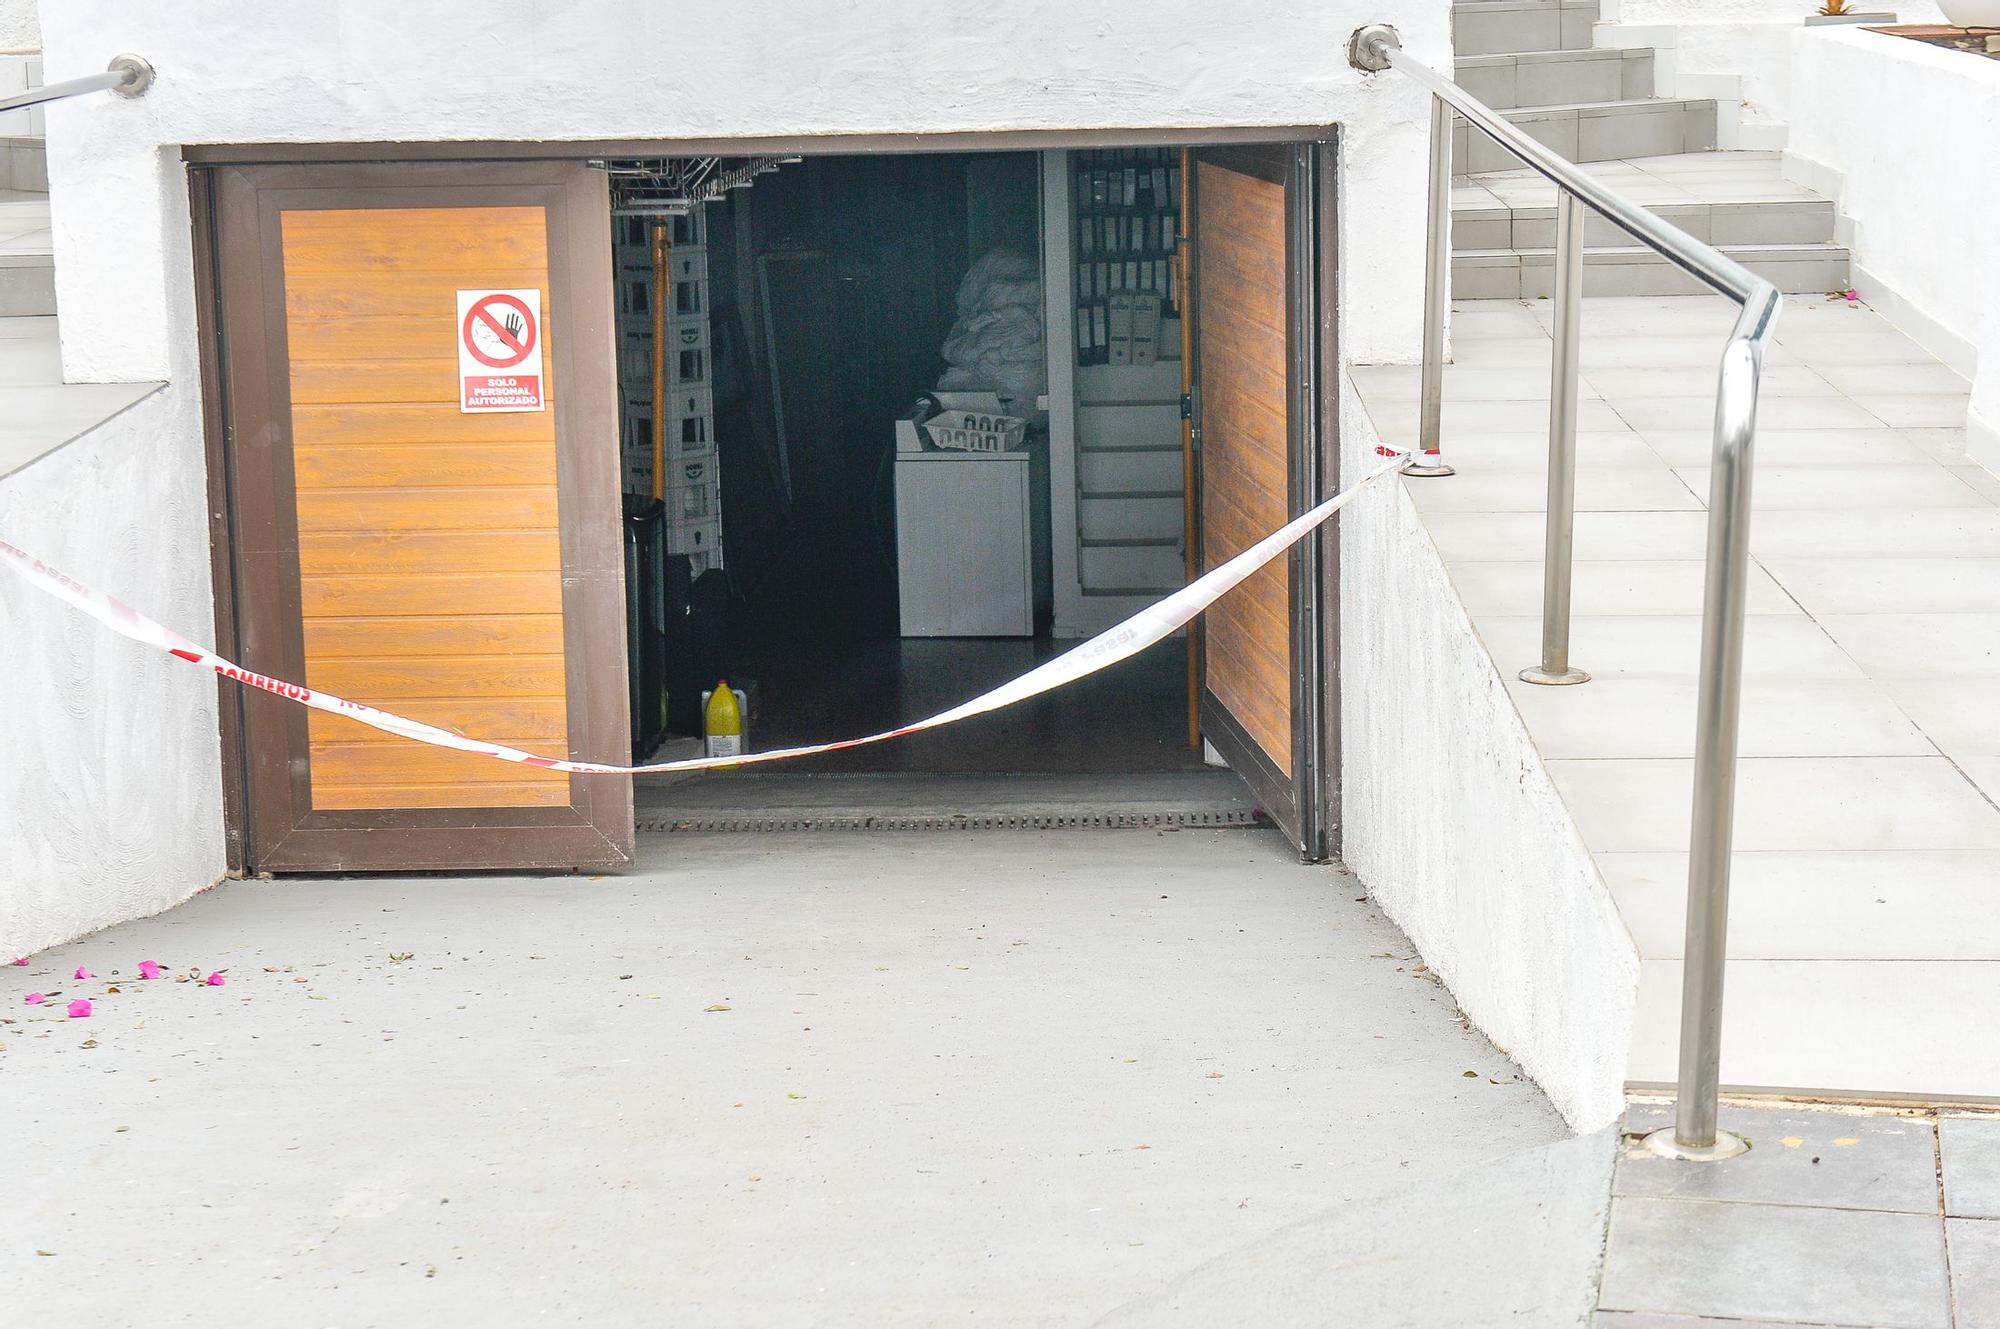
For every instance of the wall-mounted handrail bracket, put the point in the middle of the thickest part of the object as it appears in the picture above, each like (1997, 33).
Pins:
(126, 75)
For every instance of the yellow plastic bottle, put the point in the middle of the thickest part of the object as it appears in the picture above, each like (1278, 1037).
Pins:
(723, 724)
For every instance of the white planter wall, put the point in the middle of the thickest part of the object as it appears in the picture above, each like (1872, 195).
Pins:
(1901, 134)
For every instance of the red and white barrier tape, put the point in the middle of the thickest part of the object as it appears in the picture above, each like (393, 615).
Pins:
(1149, 626)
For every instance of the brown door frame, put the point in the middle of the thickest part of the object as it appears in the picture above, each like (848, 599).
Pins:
(276, 828)
(1319, 381)
(1306, 803)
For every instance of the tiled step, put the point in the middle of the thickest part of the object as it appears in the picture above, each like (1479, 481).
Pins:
(1132, 565)
(27, 258)
(1529, 274)
(1500, 27)
(1595, 131)
(1774, 222)
(1558, 78)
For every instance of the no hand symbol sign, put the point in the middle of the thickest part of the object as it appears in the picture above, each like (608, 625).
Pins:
(500, 351)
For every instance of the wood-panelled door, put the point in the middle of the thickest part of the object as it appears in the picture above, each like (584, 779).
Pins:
(392, 543)
(1262, 284)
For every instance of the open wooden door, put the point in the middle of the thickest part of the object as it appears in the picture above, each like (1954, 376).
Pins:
(1262, 306)
(425, 528)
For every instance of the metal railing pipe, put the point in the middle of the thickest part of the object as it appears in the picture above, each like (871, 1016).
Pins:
(1694, 1134)
(1559, 525)
(127, 75)
(1429, 457)
(1718, 709)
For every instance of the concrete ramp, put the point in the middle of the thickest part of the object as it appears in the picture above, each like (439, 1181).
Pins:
(1518, 1240)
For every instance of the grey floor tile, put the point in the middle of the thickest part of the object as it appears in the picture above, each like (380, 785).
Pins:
(1472, 537)
(1781, 647)
(1645, 1320)
(1626, 716)
(1970, 1149)
(1866, 487)
(1913, 379)
(1964, 584)
(1814, 803)
(1828, 1160)
(1897, 533)
(1791, 448)
(1771, 1262)
(1625, 587)
(1930, 411)
(1974, 1245)
(1608, 489)
(1931, 644)
(1884, 905)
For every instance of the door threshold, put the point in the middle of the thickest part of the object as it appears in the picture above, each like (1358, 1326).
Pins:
(919, 801)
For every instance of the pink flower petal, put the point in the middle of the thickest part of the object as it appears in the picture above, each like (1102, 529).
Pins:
(22, 961)
(82, 972)
(149, 968)
(215, 980)
(34, 998)
(79, 1008)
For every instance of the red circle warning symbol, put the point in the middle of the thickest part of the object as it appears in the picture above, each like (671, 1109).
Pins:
(499, 331)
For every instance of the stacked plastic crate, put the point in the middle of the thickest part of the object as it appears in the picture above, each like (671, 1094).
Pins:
(692, 488)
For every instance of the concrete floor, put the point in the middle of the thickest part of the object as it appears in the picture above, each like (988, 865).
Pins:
(999, 1078)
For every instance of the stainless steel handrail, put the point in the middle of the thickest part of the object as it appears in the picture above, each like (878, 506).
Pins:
(1377, 47)
(126, 75)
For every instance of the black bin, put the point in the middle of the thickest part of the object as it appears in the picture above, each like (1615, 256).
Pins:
(646, 621)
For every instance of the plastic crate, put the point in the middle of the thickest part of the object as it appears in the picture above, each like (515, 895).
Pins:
(689, 402)
(688, 263)
(698, 535)
(690, 334)
(976, 431)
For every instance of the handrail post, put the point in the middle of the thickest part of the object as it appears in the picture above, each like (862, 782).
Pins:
(1559, 531)
(1437, 300)
(1710, 835)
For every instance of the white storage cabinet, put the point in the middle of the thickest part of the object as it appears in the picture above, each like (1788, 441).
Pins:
(964, 544)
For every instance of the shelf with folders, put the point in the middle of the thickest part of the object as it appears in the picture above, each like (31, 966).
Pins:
(1126, 205)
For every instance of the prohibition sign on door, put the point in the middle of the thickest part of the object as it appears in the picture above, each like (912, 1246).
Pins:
(500, 351)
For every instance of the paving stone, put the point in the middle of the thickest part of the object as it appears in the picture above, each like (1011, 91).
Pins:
(1845, 1267)
(1835, 1160)
(1970, 1149)
(1975, 1271)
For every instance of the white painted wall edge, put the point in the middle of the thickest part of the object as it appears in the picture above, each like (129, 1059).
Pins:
(110, 758)
(1451, 821)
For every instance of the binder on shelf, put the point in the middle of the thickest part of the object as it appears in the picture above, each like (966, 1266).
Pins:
(1120, 328)
(1145, 334)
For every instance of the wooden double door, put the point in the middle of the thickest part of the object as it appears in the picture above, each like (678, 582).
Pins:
(428, 529)
(382, 541)
(1263, 375)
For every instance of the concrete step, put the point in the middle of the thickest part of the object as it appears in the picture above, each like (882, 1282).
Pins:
(27, 257)
(1595, 131)
(1558, 78)
(24, 163)
(1773, 222)
(1502, 27)
(1529, 274)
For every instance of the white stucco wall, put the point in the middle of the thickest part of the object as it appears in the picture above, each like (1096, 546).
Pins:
(1453, 824)
(1903, 135)
(110, 775)
(1739, 49)
(20, 26)
(251, 71)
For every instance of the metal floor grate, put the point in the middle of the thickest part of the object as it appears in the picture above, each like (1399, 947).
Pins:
(1190, 819)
